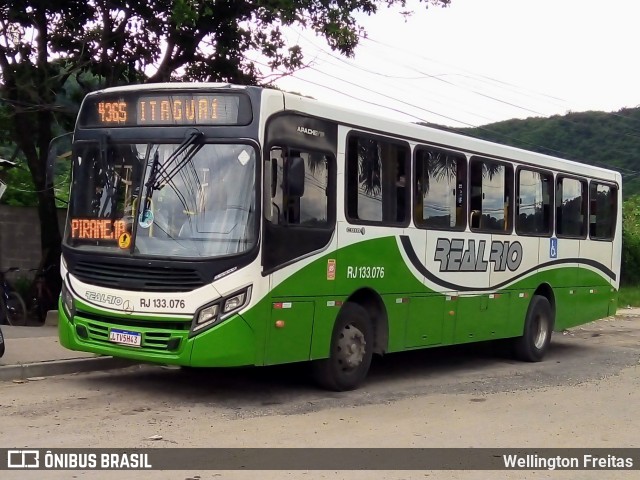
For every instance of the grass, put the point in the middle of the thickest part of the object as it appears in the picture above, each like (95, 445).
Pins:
(629, 295)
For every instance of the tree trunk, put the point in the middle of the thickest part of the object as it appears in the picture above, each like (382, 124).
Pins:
(50, 238)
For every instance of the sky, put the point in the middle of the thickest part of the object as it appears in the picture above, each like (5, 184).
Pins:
(481, 61)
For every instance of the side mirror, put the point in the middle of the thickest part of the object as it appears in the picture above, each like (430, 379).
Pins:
(295, 177)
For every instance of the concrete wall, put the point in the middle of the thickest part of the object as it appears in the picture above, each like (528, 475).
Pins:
(20, 238)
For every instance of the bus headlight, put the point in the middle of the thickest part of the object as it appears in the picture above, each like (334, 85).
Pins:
(214, 313)
(67, 302)
(235, 302)
(206, 316)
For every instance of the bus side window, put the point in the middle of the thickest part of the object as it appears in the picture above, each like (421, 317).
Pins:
(571, 207)
(533, 209)
(491, 205)
(309, 206)
(440, 189)
(377, 180)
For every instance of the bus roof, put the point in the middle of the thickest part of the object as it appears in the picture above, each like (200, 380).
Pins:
(384, 126)
(170, 86)
(434, 136)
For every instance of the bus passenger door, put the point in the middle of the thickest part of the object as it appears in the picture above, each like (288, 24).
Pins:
(595, 279)
(299, 192)
(571, 225)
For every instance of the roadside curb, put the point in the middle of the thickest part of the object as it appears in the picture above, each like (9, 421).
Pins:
(61, 367)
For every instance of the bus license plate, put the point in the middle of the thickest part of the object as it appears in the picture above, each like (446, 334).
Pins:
(125, 337)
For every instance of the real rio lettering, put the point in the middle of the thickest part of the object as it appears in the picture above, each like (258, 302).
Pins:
(455, 256)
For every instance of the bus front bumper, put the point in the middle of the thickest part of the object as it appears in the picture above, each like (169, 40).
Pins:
(229, 344)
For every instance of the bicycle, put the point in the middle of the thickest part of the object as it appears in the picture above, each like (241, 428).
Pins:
(12, 306)
(41, 299)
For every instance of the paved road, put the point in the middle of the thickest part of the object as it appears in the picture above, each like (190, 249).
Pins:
(586, 394)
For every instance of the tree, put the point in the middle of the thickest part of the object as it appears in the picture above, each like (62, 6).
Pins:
(630, 274)
(44, 43)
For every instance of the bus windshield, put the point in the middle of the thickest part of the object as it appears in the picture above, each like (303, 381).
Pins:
(164, 199)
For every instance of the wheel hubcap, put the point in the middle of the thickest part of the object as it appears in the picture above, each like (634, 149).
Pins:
(351, 348)
(542, 332)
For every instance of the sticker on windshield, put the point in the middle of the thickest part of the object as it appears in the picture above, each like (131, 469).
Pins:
(146, 219)
(244, 157)
(125, 240)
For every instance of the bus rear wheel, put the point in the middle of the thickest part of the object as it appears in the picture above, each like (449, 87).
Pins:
(538, 326)
(350, 352)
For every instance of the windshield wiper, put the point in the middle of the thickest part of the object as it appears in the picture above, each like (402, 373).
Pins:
(161, 175)
(189, 148)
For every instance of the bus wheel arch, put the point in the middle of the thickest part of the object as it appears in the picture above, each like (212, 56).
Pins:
(371, 301)
(545, 290)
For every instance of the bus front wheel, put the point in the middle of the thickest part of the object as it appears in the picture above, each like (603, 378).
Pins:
(350, 351)
(538, 326)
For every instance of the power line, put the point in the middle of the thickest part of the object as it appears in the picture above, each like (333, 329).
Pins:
(519, 141)
(438, 77)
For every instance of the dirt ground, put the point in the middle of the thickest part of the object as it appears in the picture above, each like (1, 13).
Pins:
(585, 394)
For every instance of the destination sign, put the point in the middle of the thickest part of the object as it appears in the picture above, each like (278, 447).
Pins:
(97, 229)
(158, 109)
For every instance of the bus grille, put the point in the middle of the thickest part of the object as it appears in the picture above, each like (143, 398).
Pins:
(153, 339)
(143, 278)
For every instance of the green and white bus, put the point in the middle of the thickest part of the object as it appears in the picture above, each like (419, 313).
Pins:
(214, 225)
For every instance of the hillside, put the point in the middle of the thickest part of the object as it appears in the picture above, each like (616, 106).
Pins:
(610, 140)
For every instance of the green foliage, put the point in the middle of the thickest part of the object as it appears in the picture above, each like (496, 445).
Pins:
(18, 179)
(51, 51)
(629, 296)
(631, 241)
(20, 189)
